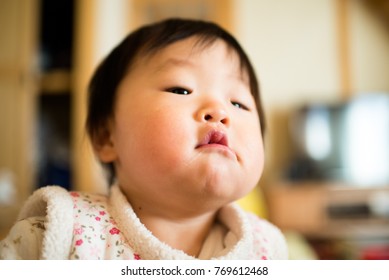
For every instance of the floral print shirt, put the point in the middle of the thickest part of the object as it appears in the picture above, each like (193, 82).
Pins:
(93, 222)
(56, 224)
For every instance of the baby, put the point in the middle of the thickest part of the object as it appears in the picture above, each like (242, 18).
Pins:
(175, 114)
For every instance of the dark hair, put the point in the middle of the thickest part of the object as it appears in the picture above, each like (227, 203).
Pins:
(144, 41)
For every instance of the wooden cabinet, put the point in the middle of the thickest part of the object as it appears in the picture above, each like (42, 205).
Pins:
(329, 213)
(330, 210)
(18, 88)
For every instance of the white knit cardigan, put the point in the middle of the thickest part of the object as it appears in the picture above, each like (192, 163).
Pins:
(82, 226)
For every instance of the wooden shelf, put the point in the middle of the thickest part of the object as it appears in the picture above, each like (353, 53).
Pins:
(304, 207)
(56, 82)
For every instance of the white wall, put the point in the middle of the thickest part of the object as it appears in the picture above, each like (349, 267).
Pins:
(293, 46)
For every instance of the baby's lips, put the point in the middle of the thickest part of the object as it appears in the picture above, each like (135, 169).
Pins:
(214, 137)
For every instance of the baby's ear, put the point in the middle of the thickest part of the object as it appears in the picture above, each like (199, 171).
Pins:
(103, 145)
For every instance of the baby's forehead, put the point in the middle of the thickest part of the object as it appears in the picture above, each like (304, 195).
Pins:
(185, 53)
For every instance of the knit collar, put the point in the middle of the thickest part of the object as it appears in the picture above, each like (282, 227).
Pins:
(237, 239)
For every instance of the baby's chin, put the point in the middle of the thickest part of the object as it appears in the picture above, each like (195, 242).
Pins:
(221, 192)
(230, 182)
(213, 202)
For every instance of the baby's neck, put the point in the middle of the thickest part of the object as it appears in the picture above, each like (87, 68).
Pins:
(186, 234)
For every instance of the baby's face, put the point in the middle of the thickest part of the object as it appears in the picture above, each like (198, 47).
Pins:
(186, 134)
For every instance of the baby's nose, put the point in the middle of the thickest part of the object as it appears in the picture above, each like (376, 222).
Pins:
(214, 114)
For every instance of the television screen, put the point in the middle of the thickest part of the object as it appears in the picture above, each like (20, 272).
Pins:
(346, 142)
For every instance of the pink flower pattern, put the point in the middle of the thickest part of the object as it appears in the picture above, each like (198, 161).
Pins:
(78, 231)
(114, 231)
(74, 194)
(260, 241)
(96, 235)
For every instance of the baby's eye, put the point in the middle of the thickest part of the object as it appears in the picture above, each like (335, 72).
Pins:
(179, 90)
(239, 105)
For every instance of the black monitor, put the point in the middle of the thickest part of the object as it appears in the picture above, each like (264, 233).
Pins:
(347, 142)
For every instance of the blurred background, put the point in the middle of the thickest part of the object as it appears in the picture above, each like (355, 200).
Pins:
(323, 67)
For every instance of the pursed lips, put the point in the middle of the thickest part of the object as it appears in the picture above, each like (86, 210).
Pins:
(215, 139)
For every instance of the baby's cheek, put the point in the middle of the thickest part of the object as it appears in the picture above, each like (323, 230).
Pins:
(165, 142)
(254, 153)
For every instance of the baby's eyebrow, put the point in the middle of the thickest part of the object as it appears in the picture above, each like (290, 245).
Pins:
(174, 62)
(187, 63)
